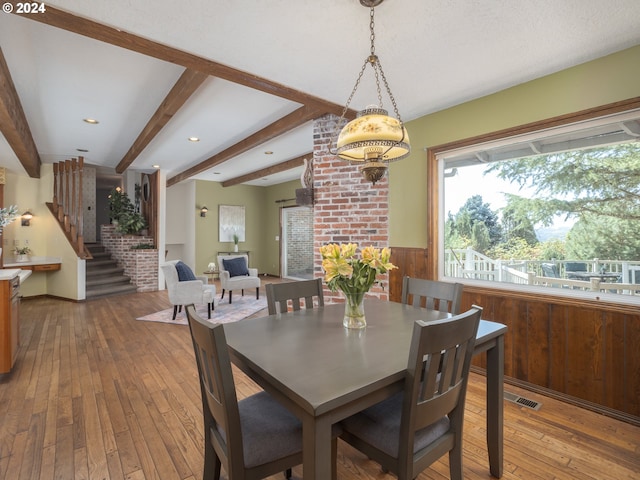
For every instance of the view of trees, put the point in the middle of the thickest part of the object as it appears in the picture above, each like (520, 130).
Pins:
(598, 188)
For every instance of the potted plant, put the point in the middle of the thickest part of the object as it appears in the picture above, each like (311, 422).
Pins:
(22, 254)
(236, 239)
(123, 213)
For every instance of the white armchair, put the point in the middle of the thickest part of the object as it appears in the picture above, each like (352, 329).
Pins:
(239, 276)
(187, 292)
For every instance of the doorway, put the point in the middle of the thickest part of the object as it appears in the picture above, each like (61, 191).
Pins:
(296, 256)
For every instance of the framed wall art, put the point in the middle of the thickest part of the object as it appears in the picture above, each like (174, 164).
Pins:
(231, 222)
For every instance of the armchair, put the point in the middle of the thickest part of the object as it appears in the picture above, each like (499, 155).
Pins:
(236, 275)
(187, 292)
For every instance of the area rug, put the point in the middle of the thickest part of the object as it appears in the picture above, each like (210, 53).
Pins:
(242, 307)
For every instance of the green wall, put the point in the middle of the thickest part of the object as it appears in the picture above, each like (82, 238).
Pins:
(262, 220)
(606, 80)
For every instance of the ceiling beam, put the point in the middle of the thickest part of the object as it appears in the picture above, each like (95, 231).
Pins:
(13, 123)
(186, 85)
(277, 128)
(89, 28)
(265, 172)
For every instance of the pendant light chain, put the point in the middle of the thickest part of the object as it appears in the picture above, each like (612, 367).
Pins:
(375, 64)
(375, 61)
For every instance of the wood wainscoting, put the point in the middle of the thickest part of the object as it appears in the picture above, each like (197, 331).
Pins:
(582, 351)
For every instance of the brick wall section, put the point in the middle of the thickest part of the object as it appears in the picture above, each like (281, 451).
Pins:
(140, 265)
(347, 208)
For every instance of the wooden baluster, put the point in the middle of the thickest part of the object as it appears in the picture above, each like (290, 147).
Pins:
(67, 169)
(61, 196)
(55, 188)
(73, 205)
(80, 211)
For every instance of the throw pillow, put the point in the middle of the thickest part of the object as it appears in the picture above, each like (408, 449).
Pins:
(236, 266)
(184, 272)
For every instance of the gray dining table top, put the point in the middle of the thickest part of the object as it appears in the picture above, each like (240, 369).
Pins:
(318, 364)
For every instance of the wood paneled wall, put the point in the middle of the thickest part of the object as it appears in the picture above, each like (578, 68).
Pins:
(586, 352)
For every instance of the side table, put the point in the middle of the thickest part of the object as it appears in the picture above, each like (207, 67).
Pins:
(212, 274)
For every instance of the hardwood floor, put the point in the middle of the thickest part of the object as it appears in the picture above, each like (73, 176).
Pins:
(96, 394)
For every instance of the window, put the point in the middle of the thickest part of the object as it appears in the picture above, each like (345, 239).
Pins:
(555, 209)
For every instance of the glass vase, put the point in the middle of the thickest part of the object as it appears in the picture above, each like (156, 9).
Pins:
(354, 311)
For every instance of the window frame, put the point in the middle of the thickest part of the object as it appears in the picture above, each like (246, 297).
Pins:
(435, 199)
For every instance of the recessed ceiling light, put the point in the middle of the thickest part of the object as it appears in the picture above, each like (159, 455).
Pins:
(216, 173)
(155, 166)
(268, 152)
(92, 121)
(193, 139)
(83, 150)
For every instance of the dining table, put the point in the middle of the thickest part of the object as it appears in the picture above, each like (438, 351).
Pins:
(323, 372)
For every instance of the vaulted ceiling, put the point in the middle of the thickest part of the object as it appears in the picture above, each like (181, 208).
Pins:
(248, 77)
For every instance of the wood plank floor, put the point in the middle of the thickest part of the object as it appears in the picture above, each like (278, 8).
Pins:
(96, 394)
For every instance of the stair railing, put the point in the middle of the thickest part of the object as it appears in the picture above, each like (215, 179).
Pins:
(67, 202)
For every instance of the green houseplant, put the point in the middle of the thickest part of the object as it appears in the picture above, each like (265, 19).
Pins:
(123, 213)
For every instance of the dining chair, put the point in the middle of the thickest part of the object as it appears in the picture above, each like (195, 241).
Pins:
(412, 429)
(253, 438)
(437, 295)
(279, 294)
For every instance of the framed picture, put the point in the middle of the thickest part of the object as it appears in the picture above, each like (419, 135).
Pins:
(231, 222)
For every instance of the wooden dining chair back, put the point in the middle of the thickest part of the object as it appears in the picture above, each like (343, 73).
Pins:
(432, 294)
(412, 429)
(279, 295)
(251, 439)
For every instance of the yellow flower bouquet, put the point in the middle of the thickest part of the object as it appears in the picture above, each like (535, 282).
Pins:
(353, 275)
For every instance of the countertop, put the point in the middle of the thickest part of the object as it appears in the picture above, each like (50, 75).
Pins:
(33, 260)
(10, 273)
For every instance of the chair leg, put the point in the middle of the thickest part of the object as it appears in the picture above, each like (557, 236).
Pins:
(243, 292)
(209, 311)
(212, 463)
(287, 473)
(334, 458)
(455, 462)
(230, 293)
(222, 294)
(257, 293)
(175, 312)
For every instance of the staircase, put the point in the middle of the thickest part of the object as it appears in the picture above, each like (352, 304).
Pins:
(104, 277)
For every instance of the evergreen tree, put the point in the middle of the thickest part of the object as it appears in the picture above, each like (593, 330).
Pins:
(598, 187)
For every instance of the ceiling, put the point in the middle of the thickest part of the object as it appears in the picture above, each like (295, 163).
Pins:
(248, 77)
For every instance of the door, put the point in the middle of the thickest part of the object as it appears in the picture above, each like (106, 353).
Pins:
(296, 256)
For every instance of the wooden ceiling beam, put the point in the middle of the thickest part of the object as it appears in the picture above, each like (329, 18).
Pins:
(279, 167)
(186, 85)
(277, 128)
(89, 28)
(13, 123)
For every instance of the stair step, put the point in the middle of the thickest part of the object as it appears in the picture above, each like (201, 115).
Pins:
(105, 262)
(105, 291)
(107, 280)
(100, 255)
(104, 271)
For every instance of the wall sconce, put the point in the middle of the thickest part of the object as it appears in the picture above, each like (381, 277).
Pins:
(203, 211)
(26, 218)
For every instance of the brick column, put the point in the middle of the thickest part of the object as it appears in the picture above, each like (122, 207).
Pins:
(347, 208)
